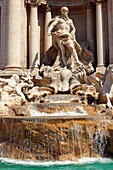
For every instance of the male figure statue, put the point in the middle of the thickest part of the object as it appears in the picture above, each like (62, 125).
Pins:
(63, 32)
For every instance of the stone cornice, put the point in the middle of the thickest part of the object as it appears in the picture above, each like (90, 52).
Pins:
(87, 3)
(99, 1)
(72, 2)
(67, 2)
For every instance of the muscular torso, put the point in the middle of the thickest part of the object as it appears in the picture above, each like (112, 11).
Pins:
(63, 25)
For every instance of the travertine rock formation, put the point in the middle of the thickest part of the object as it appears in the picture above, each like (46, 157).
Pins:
(56, 139)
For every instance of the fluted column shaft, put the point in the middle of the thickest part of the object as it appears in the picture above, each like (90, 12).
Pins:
(99, 31)
(13, 34)
(33, 48)
(47, 39)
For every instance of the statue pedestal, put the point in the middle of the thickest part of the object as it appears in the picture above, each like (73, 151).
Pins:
(10, 72)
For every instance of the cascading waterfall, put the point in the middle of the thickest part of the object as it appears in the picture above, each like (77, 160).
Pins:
(100, 142)
(46, 139)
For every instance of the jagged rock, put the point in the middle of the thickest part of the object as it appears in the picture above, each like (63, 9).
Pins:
(86, 56)
(49, 72)
(36, 92)
(108, 85)
(54, 60)
(88, 92)
(21, 110)
(5, 110)
(59, 79)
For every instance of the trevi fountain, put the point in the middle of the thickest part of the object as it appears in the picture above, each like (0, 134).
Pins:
(60, 111)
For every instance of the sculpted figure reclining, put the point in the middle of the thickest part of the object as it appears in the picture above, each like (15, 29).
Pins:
(63, 33)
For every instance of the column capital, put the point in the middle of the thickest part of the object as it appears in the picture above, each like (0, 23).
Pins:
(35, 3)
(97, 1)
(32, 3)
(48, 9)
(100, 1)
(90, 5)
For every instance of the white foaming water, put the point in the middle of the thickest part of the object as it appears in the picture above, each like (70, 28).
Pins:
(52, 163)
(34, 112)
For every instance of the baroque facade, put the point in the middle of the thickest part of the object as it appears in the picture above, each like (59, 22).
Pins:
(23, 34)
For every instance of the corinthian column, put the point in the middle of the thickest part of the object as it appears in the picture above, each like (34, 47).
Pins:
(33, 36)
(33, 49)
(99, 31)
(13, 34)
(47, 39)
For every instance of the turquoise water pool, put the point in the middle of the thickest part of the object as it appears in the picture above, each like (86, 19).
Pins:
(84, 164)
